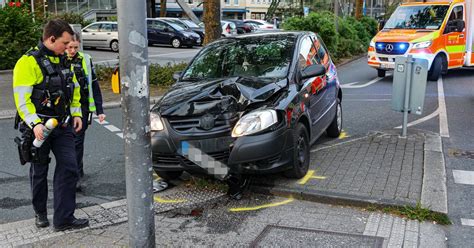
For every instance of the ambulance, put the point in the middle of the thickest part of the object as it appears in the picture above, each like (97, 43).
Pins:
(440, 31)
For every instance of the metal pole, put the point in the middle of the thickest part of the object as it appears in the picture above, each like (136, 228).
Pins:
(409, 67)
(55, 7)
(67, 6)
(371, 8)
(33, 6)
(136, 121)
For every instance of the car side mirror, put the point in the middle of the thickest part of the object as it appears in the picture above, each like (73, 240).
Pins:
(313, 71)
(381, 24)
(85, 31)
(176, 75)
(166, 30)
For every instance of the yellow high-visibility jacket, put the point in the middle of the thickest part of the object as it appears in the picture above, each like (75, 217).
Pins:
(26, 74)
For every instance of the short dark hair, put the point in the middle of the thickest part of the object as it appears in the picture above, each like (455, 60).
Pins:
(56, 28)
(76, 37)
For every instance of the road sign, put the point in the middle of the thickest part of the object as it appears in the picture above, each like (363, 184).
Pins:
(409, 86)
(306, 11)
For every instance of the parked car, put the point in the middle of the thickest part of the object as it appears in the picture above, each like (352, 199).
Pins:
(254, 102)
(188, 25)
(101, 34)
(163, 32)
(228, 29)
(242, 27)
(260, 23)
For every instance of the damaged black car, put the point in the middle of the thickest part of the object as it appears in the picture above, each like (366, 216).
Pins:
(249, 104)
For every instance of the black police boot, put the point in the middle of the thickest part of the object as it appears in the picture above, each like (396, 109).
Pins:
(41, 220)
(75, 224)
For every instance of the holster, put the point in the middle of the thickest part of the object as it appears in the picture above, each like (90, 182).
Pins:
(26, 151)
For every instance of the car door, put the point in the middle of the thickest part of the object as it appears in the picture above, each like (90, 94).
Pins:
(165, 32)
(314, 86)
(455, 39)
(89, 35)
(105, 32)
(152, 32)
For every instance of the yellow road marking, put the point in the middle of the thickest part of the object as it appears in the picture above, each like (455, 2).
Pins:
(343, 135)
(161, 200)
(309, 175)
(262, 206)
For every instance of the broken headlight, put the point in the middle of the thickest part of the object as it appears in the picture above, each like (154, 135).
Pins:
(255, 122)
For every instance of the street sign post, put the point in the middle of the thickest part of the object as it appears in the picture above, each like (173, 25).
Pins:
(409, 86)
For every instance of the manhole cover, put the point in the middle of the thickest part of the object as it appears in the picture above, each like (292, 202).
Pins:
(460, 153)
(282, 236)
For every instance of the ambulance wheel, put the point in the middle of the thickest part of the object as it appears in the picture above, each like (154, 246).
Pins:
(436, 68)
(168, 175)
(381, 73)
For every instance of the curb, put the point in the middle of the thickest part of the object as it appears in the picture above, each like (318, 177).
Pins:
(2, 72)
(352, 59)
(10, 113)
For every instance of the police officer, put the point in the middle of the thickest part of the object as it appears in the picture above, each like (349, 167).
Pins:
(44, 87)
(91, 97)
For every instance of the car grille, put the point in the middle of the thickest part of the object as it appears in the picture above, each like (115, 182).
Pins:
(170, 159)
(395, 48)
(195, 125)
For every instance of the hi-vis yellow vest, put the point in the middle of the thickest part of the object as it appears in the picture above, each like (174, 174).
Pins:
(87, 67)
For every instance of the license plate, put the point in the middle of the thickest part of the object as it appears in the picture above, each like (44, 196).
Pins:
(387, 66)
(211, 145)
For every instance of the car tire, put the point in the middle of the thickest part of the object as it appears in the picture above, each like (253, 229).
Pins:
(300, 153)
(114, 45)
(436, 68)
(335, 128)
(176, 43)
(168, 175)
(381, 73)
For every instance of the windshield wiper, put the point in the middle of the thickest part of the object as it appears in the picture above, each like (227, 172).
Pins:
(192, 79)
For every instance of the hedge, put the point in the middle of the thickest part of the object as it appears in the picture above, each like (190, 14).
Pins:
(352, 38)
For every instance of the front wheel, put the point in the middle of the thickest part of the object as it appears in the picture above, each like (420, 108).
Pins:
(176, 43)
(436, 68)
(114, 45)
(381, 73)
(300, 153)
(335, 128)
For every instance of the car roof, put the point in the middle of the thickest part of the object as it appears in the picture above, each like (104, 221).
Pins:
(272, 32)
(106, 22)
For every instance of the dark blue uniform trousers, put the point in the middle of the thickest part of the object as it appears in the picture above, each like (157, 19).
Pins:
(61, 142)
(79, 139)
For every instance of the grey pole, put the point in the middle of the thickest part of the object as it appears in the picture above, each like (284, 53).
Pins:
(67, 6)
(55, 7)
(136, 121)
(409, 67)
(336, 13)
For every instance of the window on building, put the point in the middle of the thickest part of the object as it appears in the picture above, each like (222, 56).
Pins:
(236, 2)
(227, 2)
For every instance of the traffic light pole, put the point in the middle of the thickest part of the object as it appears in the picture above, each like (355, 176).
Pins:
(133, 51)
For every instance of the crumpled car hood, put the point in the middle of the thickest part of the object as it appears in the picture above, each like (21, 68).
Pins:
(216, 96)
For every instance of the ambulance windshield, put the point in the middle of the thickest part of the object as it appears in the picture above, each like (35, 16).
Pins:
(417, 17)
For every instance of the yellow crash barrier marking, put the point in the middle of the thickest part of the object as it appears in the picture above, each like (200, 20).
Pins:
(155, 176)
(309, 175)
(343, 135)
(262, 206)
(161, 200)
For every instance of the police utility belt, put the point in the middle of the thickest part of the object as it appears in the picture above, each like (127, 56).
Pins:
(51, 98)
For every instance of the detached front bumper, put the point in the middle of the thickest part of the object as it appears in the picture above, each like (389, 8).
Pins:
(265, 153)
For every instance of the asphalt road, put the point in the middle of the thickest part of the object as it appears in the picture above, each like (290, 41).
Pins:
(366, 108)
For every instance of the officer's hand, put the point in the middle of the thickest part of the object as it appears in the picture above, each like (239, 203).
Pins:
(77, 124)
(38, 130)
(101, 118)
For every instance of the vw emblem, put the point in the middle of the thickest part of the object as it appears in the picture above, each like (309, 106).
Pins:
(389, 48)
(207, 122)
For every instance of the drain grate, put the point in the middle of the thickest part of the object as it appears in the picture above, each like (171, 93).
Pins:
(283, 236)
(460, 153)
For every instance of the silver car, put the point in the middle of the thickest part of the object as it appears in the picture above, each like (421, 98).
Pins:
(101, 34)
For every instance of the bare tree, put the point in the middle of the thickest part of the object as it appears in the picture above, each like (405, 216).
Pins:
(358, 8)
(151, 8)
(212, 20)
(162, 8)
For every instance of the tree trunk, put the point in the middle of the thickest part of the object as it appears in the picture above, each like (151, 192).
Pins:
(162, 8)
(151, 8)
(212, 20)
(358, 8)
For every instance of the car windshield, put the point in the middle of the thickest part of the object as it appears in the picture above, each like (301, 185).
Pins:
(190, 24)
(417, 17)
(259, 56)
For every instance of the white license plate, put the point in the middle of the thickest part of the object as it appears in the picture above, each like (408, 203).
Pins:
(387, 66)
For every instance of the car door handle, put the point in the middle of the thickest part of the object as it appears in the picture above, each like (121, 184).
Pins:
(93, 33)
(461, 36)
(108, 33)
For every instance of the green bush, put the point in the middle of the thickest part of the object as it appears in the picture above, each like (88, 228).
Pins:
(160, 75)
(353, 37)
(18, 33)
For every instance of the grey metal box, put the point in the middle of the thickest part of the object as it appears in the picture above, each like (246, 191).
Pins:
(418, 77)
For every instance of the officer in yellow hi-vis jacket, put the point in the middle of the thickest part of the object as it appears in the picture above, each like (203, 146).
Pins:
(44, 87)
(91, 97)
